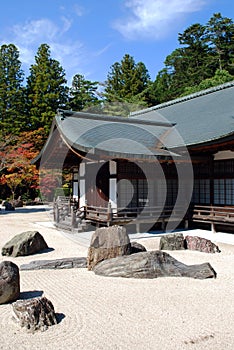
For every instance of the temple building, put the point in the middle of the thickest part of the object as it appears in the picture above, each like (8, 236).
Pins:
(165, 166)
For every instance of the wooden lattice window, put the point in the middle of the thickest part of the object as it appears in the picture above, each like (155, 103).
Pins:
(224, 191)
(201, 191)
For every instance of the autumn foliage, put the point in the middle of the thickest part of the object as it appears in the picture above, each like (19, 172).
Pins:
(17, 172)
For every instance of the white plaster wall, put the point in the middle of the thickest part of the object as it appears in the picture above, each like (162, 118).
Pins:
(82, 193)
(113, 193)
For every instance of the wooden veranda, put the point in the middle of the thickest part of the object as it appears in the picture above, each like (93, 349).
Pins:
(69, 216)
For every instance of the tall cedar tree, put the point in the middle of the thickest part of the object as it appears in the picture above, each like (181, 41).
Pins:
(127, 81)
(12, 118)
(46, 89)
(83, 93)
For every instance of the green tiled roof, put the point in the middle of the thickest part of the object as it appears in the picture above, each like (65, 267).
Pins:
(114, 136)
(196, 119)
(200, 118)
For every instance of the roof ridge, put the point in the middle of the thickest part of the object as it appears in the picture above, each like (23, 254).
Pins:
(63, 114)
(185, 98)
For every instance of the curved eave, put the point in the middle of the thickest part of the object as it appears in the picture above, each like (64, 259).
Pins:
(93, 136)
(101, 135)
(213, 141)
(91, 151)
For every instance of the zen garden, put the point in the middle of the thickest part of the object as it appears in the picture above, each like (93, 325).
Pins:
(118, 190)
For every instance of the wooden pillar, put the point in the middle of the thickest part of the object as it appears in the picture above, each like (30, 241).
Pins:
(56, 214)
(163, 224)
(186, 224)
(73, 217)
(137, 227)
(213, 227)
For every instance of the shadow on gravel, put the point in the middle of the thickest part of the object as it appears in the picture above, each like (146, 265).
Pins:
(27, 210)
(31, 294)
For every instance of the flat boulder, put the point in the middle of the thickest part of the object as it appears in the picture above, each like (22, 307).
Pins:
(25, 243)
(201, 244)
(9, 282)
(107, 243)
(152, 264)
(173, 241)
(63, 263)
(34, 314)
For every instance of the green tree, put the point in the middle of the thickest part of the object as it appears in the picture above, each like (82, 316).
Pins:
(204, 50)
(185, 66)
(174, 74)
(196, 54)
(162, 86)
(127, 81)
(12, 117)
(221, 38)
(46, 89)
(83, 93)
(220, 77)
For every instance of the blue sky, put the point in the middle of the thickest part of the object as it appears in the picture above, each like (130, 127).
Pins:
(88, 36)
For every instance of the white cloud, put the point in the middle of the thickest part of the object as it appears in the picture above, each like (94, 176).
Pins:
(29, 36)
(102, 50)
(79, 10)
(35, 31)
(70, 55)
(154, 18)
(66, 24)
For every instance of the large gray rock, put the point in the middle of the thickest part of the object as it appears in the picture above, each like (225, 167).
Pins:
(152, 264)
(26, 243)
(64, 263)
(201, 244)
(9, 282)
(34, 314)
(173, 241)
(107, 243)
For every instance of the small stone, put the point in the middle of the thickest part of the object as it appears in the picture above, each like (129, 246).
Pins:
(201, 244)
(34, 314)
(9, 282)
(8, 206)
(172, 242)
(137, 248)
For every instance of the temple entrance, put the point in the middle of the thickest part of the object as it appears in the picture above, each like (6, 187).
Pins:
(97, 184)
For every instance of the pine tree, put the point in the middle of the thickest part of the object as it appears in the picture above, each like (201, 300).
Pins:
(46, 89)
(12, 120)
(83, 93)
(127, 81)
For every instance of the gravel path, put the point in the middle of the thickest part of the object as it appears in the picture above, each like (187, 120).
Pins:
(114, 313)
